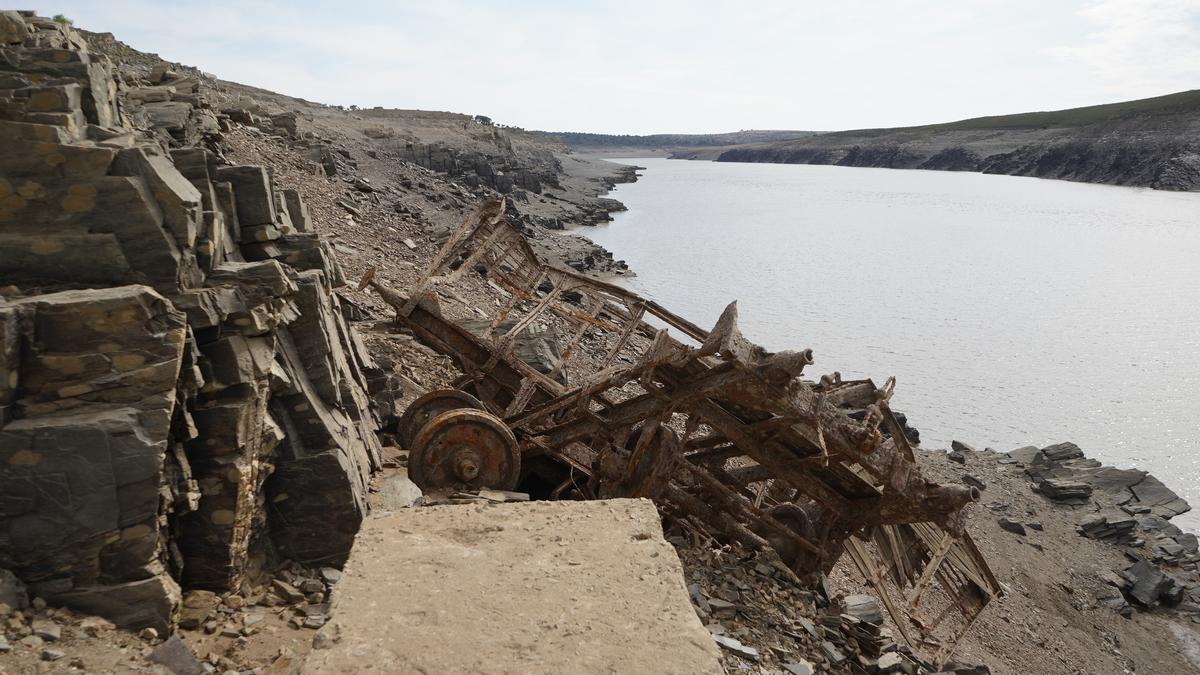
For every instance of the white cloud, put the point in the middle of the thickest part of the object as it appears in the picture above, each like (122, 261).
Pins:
(634, 66)
(1139, 48)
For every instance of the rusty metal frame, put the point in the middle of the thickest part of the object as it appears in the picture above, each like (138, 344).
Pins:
(765, 431)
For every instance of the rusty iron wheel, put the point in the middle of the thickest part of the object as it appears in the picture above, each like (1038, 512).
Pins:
(427, 407)
(465, 449)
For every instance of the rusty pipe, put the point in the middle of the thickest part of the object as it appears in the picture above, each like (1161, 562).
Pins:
(952, 497)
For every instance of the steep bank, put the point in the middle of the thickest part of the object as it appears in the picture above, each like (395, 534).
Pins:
(1146, 143)
(378, 211)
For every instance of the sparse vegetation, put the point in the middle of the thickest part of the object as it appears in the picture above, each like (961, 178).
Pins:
(1181, 102)
(675, 140)
(62, 19)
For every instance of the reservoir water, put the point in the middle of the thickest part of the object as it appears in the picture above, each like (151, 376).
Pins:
(1012, 311)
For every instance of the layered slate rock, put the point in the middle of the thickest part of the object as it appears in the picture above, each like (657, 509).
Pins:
(474, 168)
(182, 402)
(87, 454)
(1125, 507)
(1062, 472)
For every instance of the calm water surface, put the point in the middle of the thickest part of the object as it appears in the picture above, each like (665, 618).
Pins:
(1013, 311)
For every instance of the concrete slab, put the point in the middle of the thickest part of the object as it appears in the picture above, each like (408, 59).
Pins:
(538, 587)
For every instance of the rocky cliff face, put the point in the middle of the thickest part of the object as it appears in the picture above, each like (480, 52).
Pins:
(473, 169)
(181, 400)
(1147, 143)
(1160, 165)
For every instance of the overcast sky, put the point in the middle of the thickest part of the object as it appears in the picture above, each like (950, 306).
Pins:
(648, 66)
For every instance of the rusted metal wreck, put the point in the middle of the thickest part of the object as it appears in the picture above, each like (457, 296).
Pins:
(641, 402)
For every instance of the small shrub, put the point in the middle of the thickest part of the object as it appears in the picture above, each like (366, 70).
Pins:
(63, 20)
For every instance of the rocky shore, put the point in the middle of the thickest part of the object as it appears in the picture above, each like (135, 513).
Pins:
(195, 404)
(1100, 578)
(1143, 143)
(1158, 165)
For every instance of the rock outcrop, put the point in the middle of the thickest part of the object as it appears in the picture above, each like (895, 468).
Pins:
(181, 400)
(474, 169)
(1149, 143)
(1160, 165)
(1125, 507)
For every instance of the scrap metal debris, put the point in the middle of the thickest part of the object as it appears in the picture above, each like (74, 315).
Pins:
(723, 434)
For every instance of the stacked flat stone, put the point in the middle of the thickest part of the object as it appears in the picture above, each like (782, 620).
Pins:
(1111, 526)
(181, 398)
(1069, 491)
(1063, 473)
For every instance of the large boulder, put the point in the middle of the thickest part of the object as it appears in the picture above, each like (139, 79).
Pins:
(12, 28)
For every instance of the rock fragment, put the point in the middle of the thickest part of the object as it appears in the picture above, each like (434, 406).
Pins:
(959, 446)
(197, 607)
(1062, 451)
(13, 30)
(973, 481)
(799, 667)
(1107, 525)
(736, 647)
(175, 656)
(894, 662)
(12, 590)
(1064, 490)
(47, 630)
(864, 608)
(832, 654)
(287, 591)
(1011, 526)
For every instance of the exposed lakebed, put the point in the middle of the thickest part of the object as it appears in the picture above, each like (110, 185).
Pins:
(1013, 311)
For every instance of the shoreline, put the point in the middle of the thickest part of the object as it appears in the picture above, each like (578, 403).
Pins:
(714, 153)
(585, 182)
(1074, 181)
(277, 340)
(1191, 524)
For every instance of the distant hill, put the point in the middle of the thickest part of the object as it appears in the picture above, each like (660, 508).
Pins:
(577, 139)
(1153, 142)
